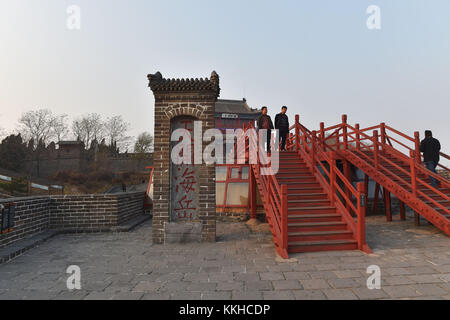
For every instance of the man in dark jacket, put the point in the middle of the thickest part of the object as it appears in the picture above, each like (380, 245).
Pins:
(431, 151)
(282, 124)
(265, 122)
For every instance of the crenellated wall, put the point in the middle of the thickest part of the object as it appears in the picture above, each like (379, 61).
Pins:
(76, 213)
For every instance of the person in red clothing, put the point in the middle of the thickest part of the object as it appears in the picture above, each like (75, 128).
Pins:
(265, 122)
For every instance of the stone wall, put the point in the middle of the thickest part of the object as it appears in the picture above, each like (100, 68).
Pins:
(84, 213)
(123, 163)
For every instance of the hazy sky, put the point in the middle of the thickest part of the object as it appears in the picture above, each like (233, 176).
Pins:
(316, 57)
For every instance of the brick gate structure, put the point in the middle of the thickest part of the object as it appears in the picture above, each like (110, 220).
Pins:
(177, 99)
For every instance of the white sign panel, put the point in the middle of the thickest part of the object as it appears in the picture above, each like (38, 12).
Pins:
(229, 116)
(38, 186)
(5, 178)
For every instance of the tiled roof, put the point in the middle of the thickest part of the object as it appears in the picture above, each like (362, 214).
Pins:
(235, 107)
(158, 83)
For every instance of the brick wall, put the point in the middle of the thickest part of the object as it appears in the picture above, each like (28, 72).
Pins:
(129, 205)
(76, 213)
(84, 212)
(31, 217)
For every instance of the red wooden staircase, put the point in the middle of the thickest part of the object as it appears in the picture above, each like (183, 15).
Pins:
(301, 203)
(314, 223)
(311, 203)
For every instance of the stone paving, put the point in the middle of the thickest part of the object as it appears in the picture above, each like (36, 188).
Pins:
(414, 262)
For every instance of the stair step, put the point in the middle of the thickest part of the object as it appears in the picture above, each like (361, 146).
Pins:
(318, 208)
(308, 203)
(325, 245)
(313, 218)
(317, 226)
(319, 235)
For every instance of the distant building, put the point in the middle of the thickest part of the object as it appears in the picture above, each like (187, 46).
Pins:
(70, 149)
(232, 181)
(233, 114)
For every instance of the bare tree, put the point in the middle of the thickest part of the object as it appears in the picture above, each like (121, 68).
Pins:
(60, 127)
(2, 133)
(116, 129)
(144, 143)
(37, 125)
(88, 127)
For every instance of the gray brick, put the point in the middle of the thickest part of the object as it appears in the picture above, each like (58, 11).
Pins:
(343, 283)
(230, 286)
(98, 296)
(296, 275)
(314, 284)
(271, 276)
(425, 278)
(430, 289)
(156, 296)
(421, 270)
(246, 277)
(278, 295)
(397, 271)
(366, 294)
(287, 285)
(201, 287)
(147, 286)
(186, 296)
(402, 291)
(216, 295)
(247, 295)
(398, 280)
(339, 294)
(309, 295)
(128, 296)
(221, 277)
(258, 285)
(348, 274)
(322, 275)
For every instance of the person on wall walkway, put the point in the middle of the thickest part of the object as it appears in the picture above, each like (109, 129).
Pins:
(265, 122)
(431, 152)
(282, 124)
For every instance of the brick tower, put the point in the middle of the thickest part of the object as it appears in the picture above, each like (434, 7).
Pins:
(184, 200)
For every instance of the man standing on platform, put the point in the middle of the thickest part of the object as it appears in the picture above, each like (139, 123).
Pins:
(265, 122)
(431, 152)
(282, 124)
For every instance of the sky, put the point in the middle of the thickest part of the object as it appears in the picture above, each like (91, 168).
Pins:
(317, 57)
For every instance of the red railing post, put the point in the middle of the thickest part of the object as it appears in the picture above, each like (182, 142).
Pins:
(313, 150)
(322, 135)
(358, 137)
(412, 166)
(417, 147)
(284, 216)
(253, 203)
(332, 178)
(383, 135)
(297, 132)
(361, 216)
(344, 131)
(375, 148)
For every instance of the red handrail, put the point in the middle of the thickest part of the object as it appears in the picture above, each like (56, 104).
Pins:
(275, 201)
(382, 149)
